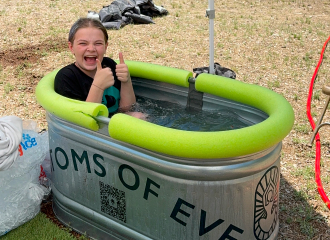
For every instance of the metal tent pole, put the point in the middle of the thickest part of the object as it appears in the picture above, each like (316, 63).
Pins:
(210, 13)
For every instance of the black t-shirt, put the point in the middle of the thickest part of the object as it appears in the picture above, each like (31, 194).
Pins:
(73, 83)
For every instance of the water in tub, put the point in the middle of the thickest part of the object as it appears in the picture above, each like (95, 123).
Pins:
(175, 116)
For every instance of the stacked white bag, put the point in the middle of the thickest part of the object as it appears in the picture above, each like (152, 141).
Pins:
(22, 151)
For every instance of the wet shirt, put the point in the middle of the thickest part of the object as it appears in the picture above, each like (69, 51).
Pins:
(73, 83)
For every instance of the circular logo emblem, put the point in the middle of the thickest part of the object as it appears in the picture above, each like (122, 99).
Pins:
(266, 204)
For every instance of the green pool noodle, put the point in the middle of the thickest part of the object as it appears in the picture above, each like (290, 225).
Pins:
(159, 73)
(210, 145)
(77, 112)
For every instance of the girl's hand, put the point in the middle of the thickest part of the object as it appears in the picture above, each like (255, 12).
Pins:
(122, 70)
(103, 77)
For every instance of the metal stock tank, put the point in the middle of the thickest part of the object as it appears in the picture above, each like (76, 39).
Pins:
(125, 178)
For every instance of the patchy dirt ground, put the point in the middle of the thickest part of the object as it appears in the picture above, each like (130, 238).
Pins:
(275, 44)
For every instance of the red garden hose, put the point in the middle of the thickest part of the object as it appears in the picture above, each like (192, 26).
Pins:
(317, 137)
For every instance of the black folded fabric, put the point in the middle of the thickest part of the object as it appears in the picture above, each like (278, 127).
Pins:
(218, 70)
(110, 13)
(139, 18)
(122, 12)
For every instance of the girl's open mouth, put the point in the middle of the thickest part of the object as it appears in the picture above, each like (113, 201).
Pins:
(90, 60)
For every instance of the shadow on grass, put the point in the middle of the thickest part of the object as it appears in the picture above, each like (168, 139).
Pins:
(298, 218)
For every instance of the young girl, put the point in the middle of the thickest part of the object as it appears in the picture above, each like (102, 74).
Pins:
(93, 77)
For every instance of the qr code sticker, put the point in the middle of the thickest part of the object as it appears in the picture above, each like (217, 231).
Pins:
(113, 201)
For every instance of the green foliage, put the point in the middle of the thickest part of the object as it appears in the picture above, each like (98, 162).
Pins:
(306, 172)
(9, 88)
(302, 128)
(39, 228)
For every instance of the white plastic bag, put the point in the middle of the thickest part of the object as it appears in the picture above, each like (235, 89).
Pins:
(20, 190)
(10, 138)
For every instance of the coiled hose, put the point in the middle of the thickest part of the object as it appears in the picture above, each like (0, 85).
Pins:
(317, 137)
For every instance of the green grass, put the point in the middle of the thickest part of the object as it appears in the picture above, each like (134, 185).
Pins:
(39, 228)
(306, 172)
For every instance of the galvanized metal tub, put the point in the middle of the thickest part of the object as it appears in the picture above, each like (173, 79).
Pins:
(111, 189)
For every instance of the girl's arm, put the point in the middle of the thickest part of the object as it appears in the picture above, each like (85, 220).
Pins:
(127, 96)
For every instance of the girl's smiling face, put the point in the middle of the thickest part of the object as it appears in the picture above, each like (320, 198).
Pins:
(88, 45)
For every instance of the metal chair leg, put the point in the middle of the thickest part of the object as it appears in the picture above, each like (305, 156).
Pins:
(326, 91)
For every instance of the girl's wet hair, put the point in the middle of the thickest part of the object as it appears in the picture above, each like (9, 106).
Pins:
(85, 23)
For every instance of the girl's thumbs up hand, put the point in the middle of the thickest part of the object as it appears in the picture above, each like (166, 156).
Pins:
(122, 70)
(103, 76)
